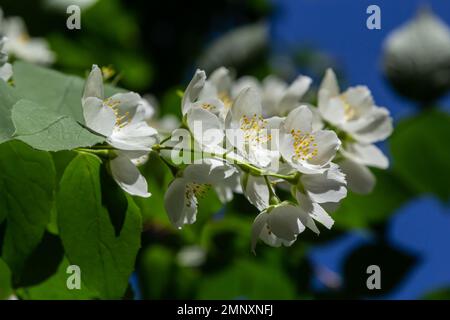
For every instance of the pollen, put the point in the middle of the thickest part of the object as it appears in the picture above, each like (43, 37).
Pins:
(349, 111)
(255, 129)
(24, 37)
(194, 191)
(226, 99)
(121, 119)
(305, 147)
(208, 106)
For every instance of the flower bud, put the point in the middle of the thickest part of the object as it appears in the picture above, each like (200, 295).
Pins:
(417, 58)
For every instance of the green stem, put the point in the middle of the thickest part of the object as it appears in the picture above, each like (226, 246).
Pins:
(293, 178)
(273, 198)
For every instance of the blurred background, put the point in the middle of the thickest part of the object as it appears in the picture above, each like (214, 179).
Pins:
(153, 47)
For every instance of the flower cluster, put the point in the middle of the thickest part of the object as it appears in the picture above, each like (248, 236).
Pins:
(243, 136)
(255, 138)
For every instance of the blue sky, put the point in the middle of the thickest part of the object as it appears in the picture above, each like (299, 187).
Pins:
(338, 28)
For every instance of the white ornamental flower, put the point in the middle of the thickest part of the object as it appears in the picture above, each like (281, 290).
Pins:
(355, 113)
(121, 119)
(280, 225)
(21, 45)
(183, 193)
(256, 191)
(305, 149)
(278, 98)
(202, 115)
(255, 138)
(5, 68)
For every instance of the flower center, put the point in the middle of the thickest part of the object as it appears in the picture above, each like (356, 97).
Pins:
(121, 120)
(193, 191)
(24, 38)
(255, 129)
(208, 106)
(226, 99)
(349, 111)
(304, 146)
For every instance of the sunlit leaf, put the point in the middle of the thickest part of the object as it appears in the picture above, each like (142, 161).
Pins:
(28, 181)
(5, 280)
(87, 232)
(45, 130)
(421, 155)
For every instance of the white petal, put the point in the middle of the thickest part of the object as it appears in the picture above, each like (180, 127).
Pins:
(330, 83)
(299, 119)
(94, 84)
(193, 90)
(329, 186)
(128, 176)
(314, 211)
(327, 145)
(6, 72)
(359, 98)
(98, 117)
(294, 93)
(366, 154)
(221, 79)
(206, 127)
(273, 90)
(256, 191)
(374, 126)
(285, 223)
(244, 82)
(332, 109)
(257, 227)
(126, 103)
(359, 178)
(179, 209)
(247, 103)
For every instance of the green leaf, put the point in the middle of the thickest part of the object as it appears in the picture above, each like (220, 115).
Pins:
(43, 262)
(421, 155)
(45, 130)
(61, 95)
(248, 280)
(88, 236)
(55, 288)
(5, 280)
(362, 211)
(7, 100)
(27, 182)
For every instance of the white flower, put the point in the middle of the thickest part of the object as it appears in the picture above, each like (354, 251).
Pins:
(191, 256)
(280, 225)
(121, 119)
(202, 115)
(21, 45)
(183, 193)
(355, 113)
(306, 150)
(256, 191)
(5, 68)
(254, 137)
(279, 98)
